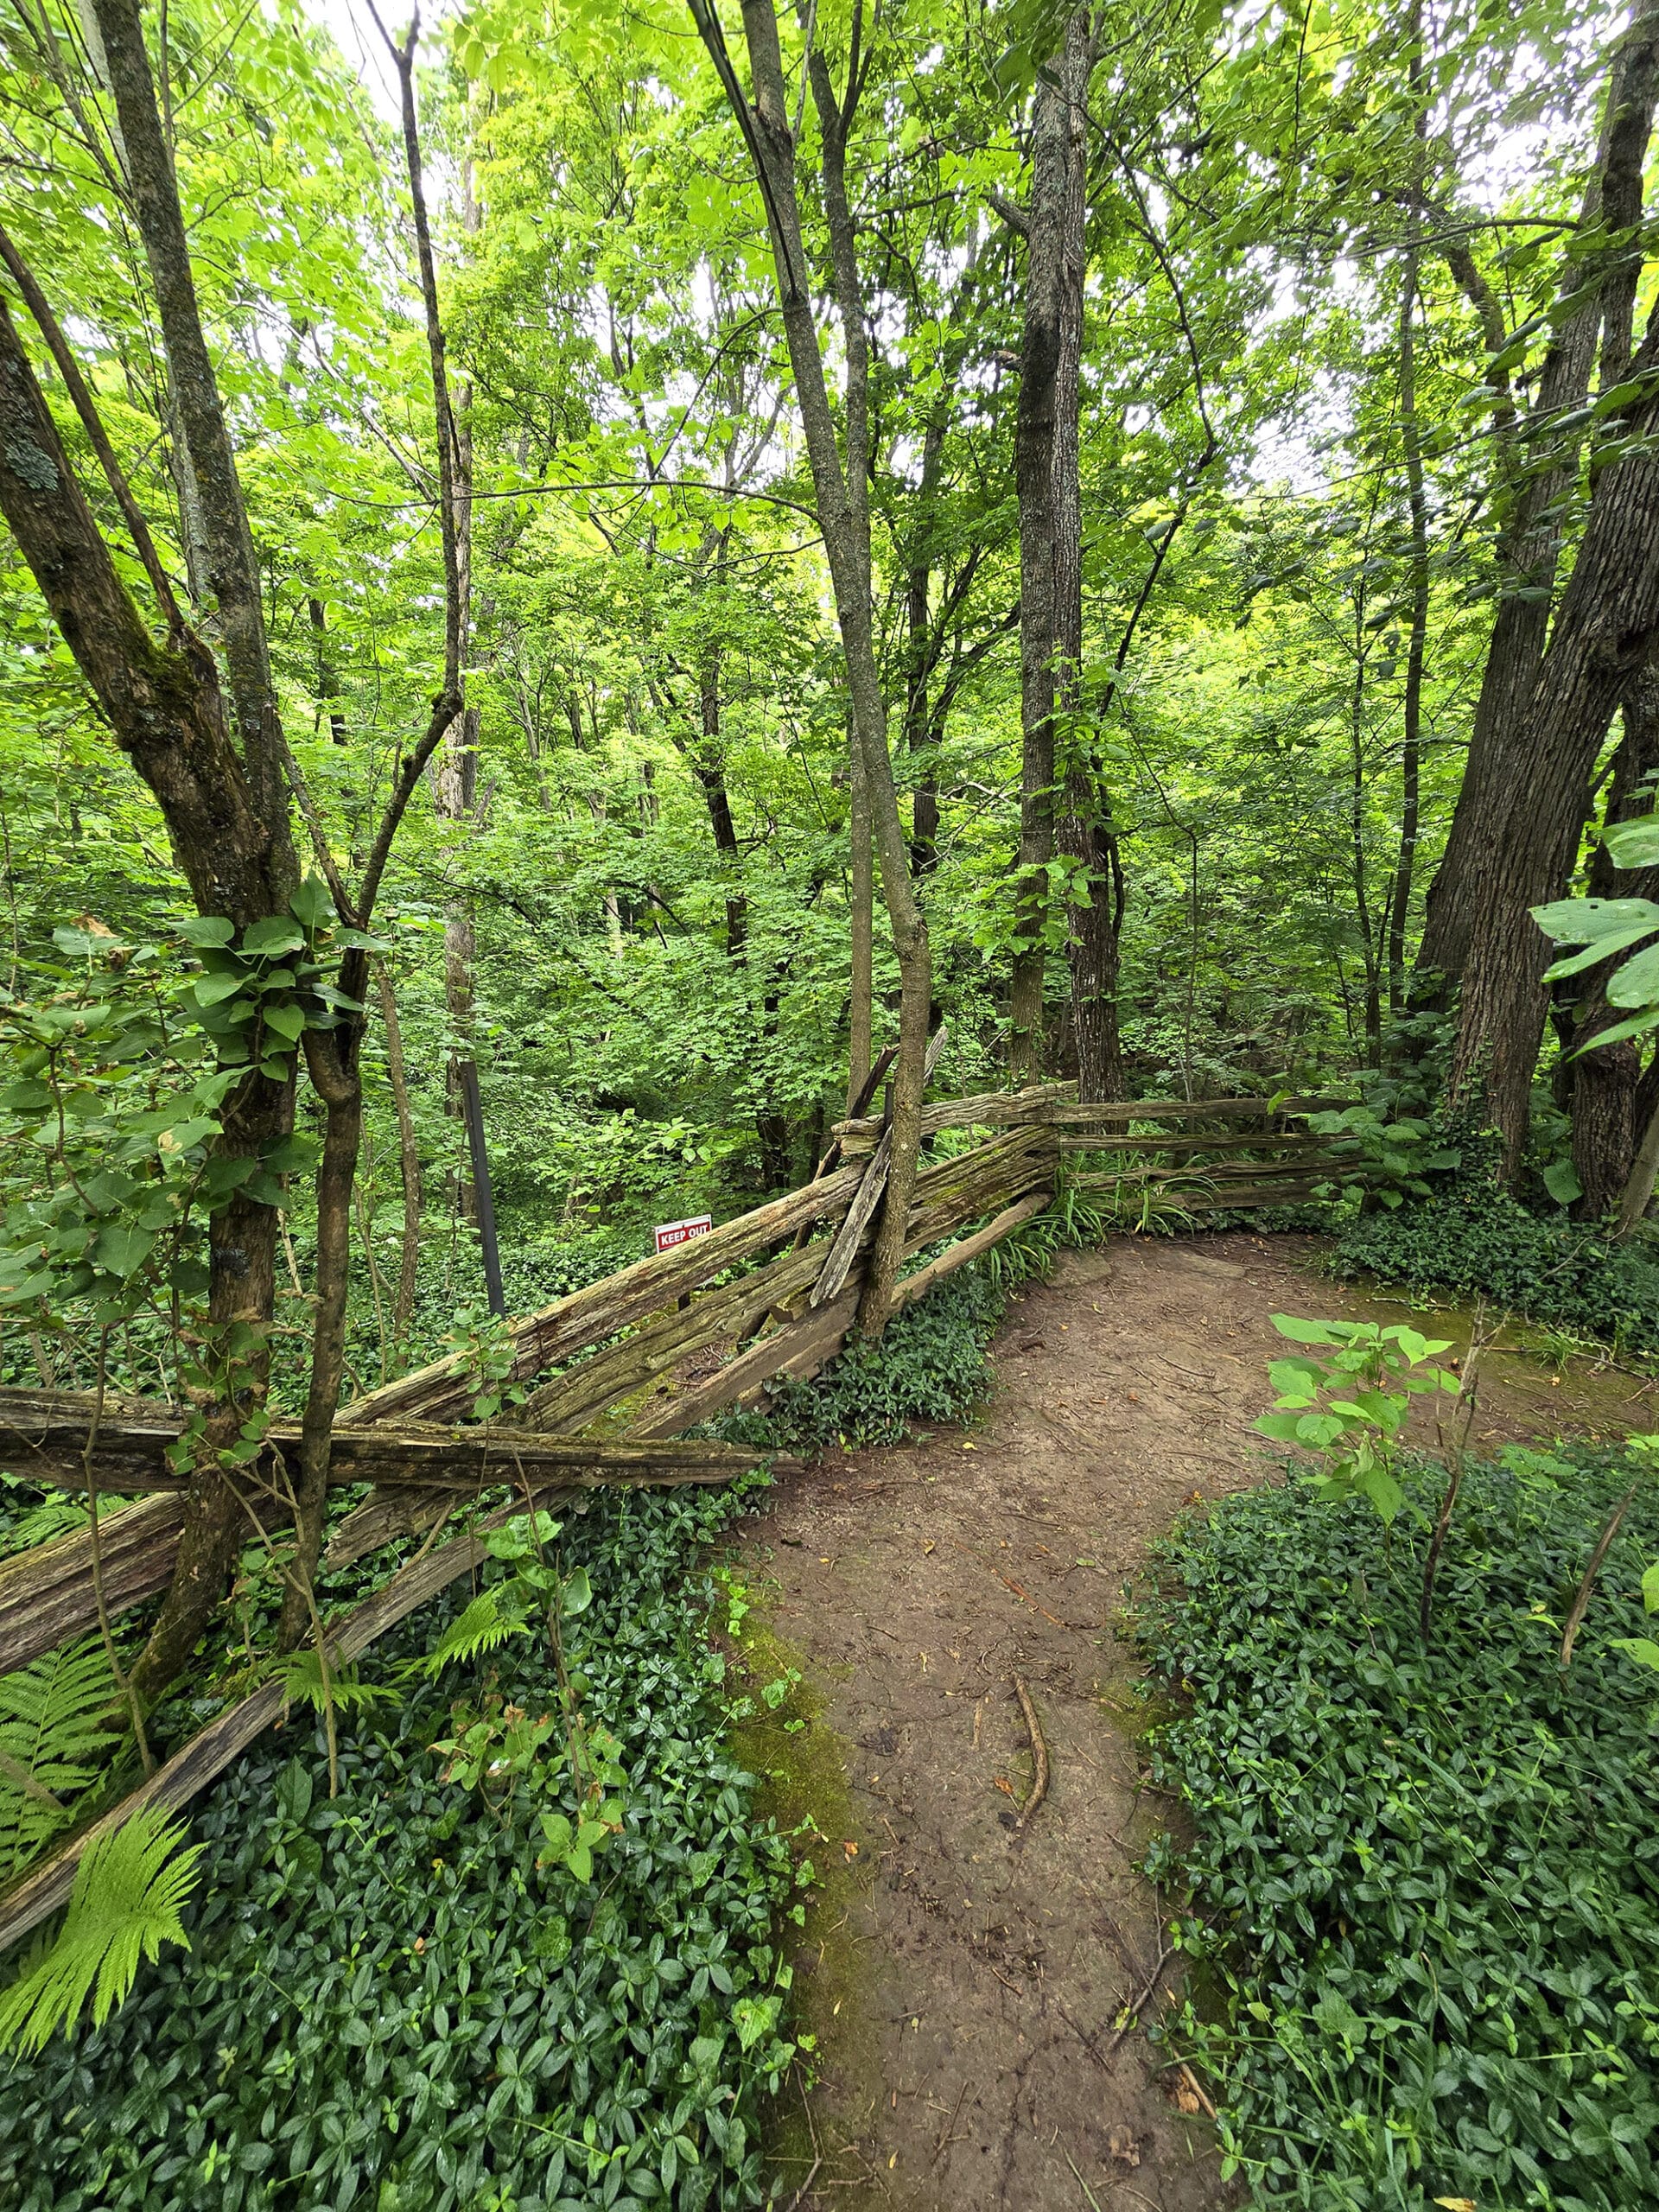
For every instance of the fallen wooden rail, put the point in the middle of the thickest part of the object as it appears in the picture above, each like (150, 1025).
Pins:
(49, 1594)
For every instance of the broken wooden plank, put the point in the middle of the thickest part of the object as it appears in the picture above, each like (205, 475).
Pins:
(859, 1214)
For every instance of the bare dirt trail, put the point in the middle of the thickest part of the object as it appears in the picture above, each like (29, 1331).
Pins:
(965, 1976)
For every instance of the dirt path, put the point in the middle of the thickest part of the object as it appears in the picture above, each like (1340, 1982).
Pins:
(965, 1978)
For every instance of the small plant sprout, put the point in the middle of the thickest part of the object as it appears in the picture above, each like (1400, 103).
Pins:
(1351, 1405)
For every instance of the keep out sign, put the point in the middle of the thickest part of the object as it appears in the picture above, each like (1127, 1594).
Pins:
(671, 1233)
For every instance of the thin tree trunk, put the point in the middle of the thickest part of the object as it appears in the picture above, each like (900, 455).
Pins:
(337, 1079)
(861, 1012)
(1411, 745)
(1094, 903)
(409, 1162)
(842, 496)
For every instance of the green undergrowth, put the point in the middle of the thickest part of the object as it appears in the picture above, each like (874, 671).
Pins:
(388, 2003)
(1477, 1241)
(1428, 1882)
(927, 1364)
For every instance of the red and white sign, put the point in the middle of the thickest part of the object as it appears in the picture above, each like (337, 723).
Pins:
(681, 1232)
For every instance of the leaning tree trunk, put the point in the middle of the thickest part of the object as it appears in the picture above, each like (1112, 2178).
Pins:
(843, 517)
(1604, 634)
(1531, 499)
(1602, 1086)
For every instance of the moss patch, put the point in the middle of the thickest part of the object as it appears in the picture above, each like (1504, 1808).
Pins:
(780, 1734)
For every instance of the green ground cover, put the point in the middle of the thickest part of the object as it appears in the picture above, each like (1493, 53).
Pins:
(1424, 1883)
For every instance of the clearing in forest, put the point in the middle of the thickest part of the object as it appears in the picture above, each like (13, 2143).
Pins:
(964, 1977)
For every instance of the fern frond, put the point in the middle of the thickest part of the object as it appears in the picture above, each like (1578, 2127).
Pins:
(131, 1888)
(302, 1684)
(492, 1617)
(54, 1739)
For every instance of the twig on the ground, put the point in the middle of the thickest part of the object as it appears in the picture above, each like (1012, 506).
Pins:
(799, 2198)
(1197, 2087)
(1133, 2008)
(1038, 1757)
(1581, 1602)
(946, 2132)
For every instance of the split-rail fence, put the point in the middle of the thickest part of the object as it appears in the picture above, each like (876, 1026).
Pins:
(613, 1375)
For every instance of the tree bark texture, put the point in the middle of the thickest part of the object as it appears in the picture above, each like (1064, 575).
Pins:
(232, 568)
(1042, 342)
(1530, 499)
(1605, 1093)
(1604, 634)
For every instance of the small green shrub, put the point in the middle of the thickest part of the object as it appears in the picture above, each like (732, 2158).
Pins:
(1428, 1884)
(1478, 1240)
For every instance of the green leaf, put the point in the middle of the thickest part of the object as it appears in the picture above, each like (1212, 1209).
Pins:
(1633, 844)
(1637, 1025)
(576, 1594)
(1582, 921)
(1636, 983)
(212, 990)
(271, 938)
(311, 905)
(122, 1250)
(1309, 1332)
(1641, 1648)
(206, 929)
(1281, 1426)
(1602, 949)
(1650, 1588)
(1561, 1181)
(288, 1022)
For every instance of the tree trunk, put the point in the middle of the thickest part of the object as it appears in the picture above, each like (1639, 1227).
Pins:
(338, 1084)
(841, 494)
(1094, 900)
(1606, 630)
(165, 707)
(1042, 343)
(409, 1161)
(860, 1019)
(1528, 551)
(1601, 1088)
(1411, 742)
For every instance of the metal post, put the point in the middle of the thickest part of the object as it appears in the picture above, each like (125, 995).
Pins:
(483, 1199)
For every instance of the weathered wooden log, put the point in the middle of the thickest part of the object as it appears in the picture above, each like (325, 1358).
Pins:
(47, 1595)
(172, 1786)
(1054, 1105)
(1285, 1141)
(587, 1316)
(413, 1452)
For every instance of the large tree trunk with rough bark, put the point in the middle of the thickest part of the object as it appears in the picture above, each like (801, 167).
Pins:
(1604, 1091)
(1530, 496)
(1604, 634)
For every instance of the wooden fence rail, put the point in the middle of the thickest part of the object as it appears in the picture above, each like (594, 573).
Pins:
(615, 1352)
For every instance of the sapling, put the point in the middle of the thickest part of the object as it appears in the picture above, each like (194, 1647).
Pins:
(1351, 1406)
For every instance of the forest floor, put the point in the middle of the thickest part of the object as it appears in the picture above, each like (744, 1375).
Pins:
(963, 1978)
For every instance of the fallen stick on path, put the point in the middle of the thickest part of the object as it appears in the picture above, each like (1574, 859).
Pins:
(1038, 1757)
